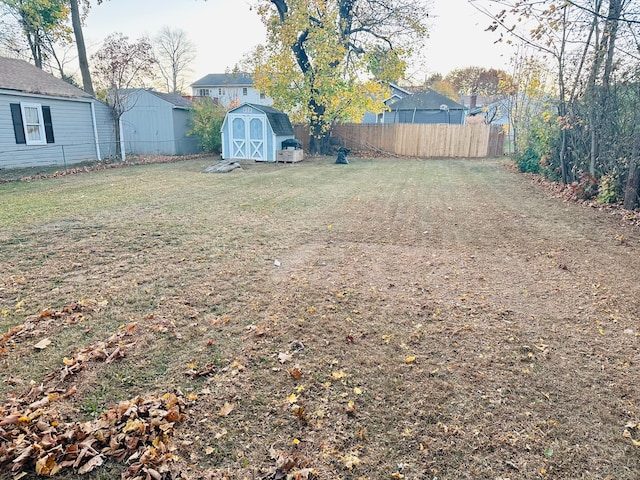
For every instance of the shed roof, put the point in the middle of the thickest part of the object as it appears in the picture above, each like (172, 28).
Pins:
(21, 76)
(427, 100)
(174, 99)
(278, 120)
(224, 79)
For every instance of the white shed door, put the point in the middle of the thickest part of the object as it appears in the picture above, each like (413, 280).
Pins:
(248, 133)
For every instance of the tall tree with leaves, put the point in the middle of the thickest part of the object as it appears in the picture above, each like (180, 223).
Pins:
(327, 60)
(43, 23)
(120, 65)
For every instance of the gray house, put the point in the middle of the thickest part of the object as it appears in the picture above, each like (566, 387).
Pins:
(157, 123)
(46, 121)
(255, 132)
(396, 93)
(425, 107)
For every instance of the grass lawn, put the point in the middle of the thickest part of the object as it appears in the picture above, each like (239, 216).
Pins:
(384, 319)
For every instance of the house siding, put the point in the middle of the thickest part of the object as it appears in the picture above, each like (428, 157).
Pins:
(73, 132)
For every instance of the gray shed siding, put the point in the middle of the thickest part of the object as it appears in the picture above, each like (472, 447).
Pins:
(74, 138)
(153, 126)
(185, 144)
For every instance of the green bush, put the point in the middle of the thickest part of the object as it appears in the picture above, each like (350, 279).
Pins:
(528, 161)
(207, 121)
(607, 189)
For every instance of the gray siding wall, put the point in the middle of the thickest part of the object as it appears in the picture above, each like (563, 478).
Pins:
(185, 144)
(106, 130)
(153, 126)
(73, 133)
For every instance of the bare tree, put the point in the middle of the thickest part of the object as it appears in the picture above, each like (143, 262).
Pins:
(173, 52)
(119, 66)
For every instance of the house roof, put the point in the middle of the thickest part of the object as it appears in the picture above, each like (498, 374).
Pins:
(224, 80)
(427, 100)
(278, 120)
(21, 76)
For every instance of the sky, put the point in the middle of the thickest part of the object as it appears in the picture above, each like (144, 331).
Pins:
(225, 30)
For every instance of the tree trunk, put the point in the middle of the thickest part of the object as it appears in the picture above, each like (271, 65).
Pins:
(87, 84)
(632, 188)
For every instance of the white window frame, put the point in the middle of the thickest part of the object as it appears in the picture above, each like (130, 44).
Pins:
(40, 124)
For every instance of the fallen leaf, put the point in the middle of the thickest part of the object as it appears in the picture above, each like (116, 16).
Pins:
(410, 359)
(226, 409)
(284, 357)
(209, 450)
(350, 461)
(293, 398)
(295, 372)
(338, 375)
(42, 344)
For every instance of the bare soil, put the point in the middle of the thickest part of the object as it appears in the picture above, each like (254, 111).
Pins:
(396, 319)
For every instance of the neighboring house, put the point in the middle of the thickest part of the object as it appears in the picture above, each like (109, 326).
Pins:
(47, 121)
(495, 113)
(425, 107)
(229, 89)
(396, 93)
(254, 132)
(157, 123)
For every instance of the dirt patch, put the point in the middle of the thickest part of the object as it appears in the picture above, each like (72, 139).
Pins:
(424, 319)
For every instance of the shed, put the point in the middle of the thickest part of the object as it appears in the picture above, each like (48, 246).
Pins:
(46, 121)
(254, 132)
(425, 107)
(156, 123)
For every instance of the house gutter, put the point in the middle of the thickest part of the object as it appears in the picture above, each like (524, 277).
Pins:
(96, 139)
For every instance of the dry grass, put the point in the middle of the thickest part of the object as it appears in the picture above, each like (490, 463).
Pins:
(385, 319)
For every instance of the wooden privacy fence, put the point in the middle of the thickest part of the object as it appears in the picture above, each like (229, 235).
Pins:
(418, 140)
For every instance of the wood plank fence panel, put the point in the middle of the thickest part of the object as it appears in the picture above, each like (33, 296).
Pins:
(418, 140)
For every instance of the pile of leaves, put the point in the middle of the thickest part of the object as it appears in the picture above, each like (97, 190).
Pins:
(34, 439)
(136, 432)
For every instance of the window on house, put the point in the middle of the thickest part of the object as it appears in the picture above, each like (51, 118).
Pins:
(203, 92)
(221, 91)
(262, 96)
(32, 123)
(245, 91)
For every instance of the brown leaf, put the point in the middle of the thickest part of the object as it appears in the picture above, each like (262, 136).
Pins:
(226, 409)
(91, 464)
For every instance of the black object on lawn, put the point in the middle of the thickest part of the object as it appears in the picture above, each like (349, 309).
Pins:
(342, 156)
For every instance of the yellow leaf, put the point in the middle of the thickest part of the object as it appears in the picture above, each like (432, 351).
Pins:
(410, 359)
(635, 443)
(357, 391)
(192, 397)
(295, 441)
(226, 409)
(293, 398)
(338, 375)
(350, 461)
(209, 450)
(299, 388)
